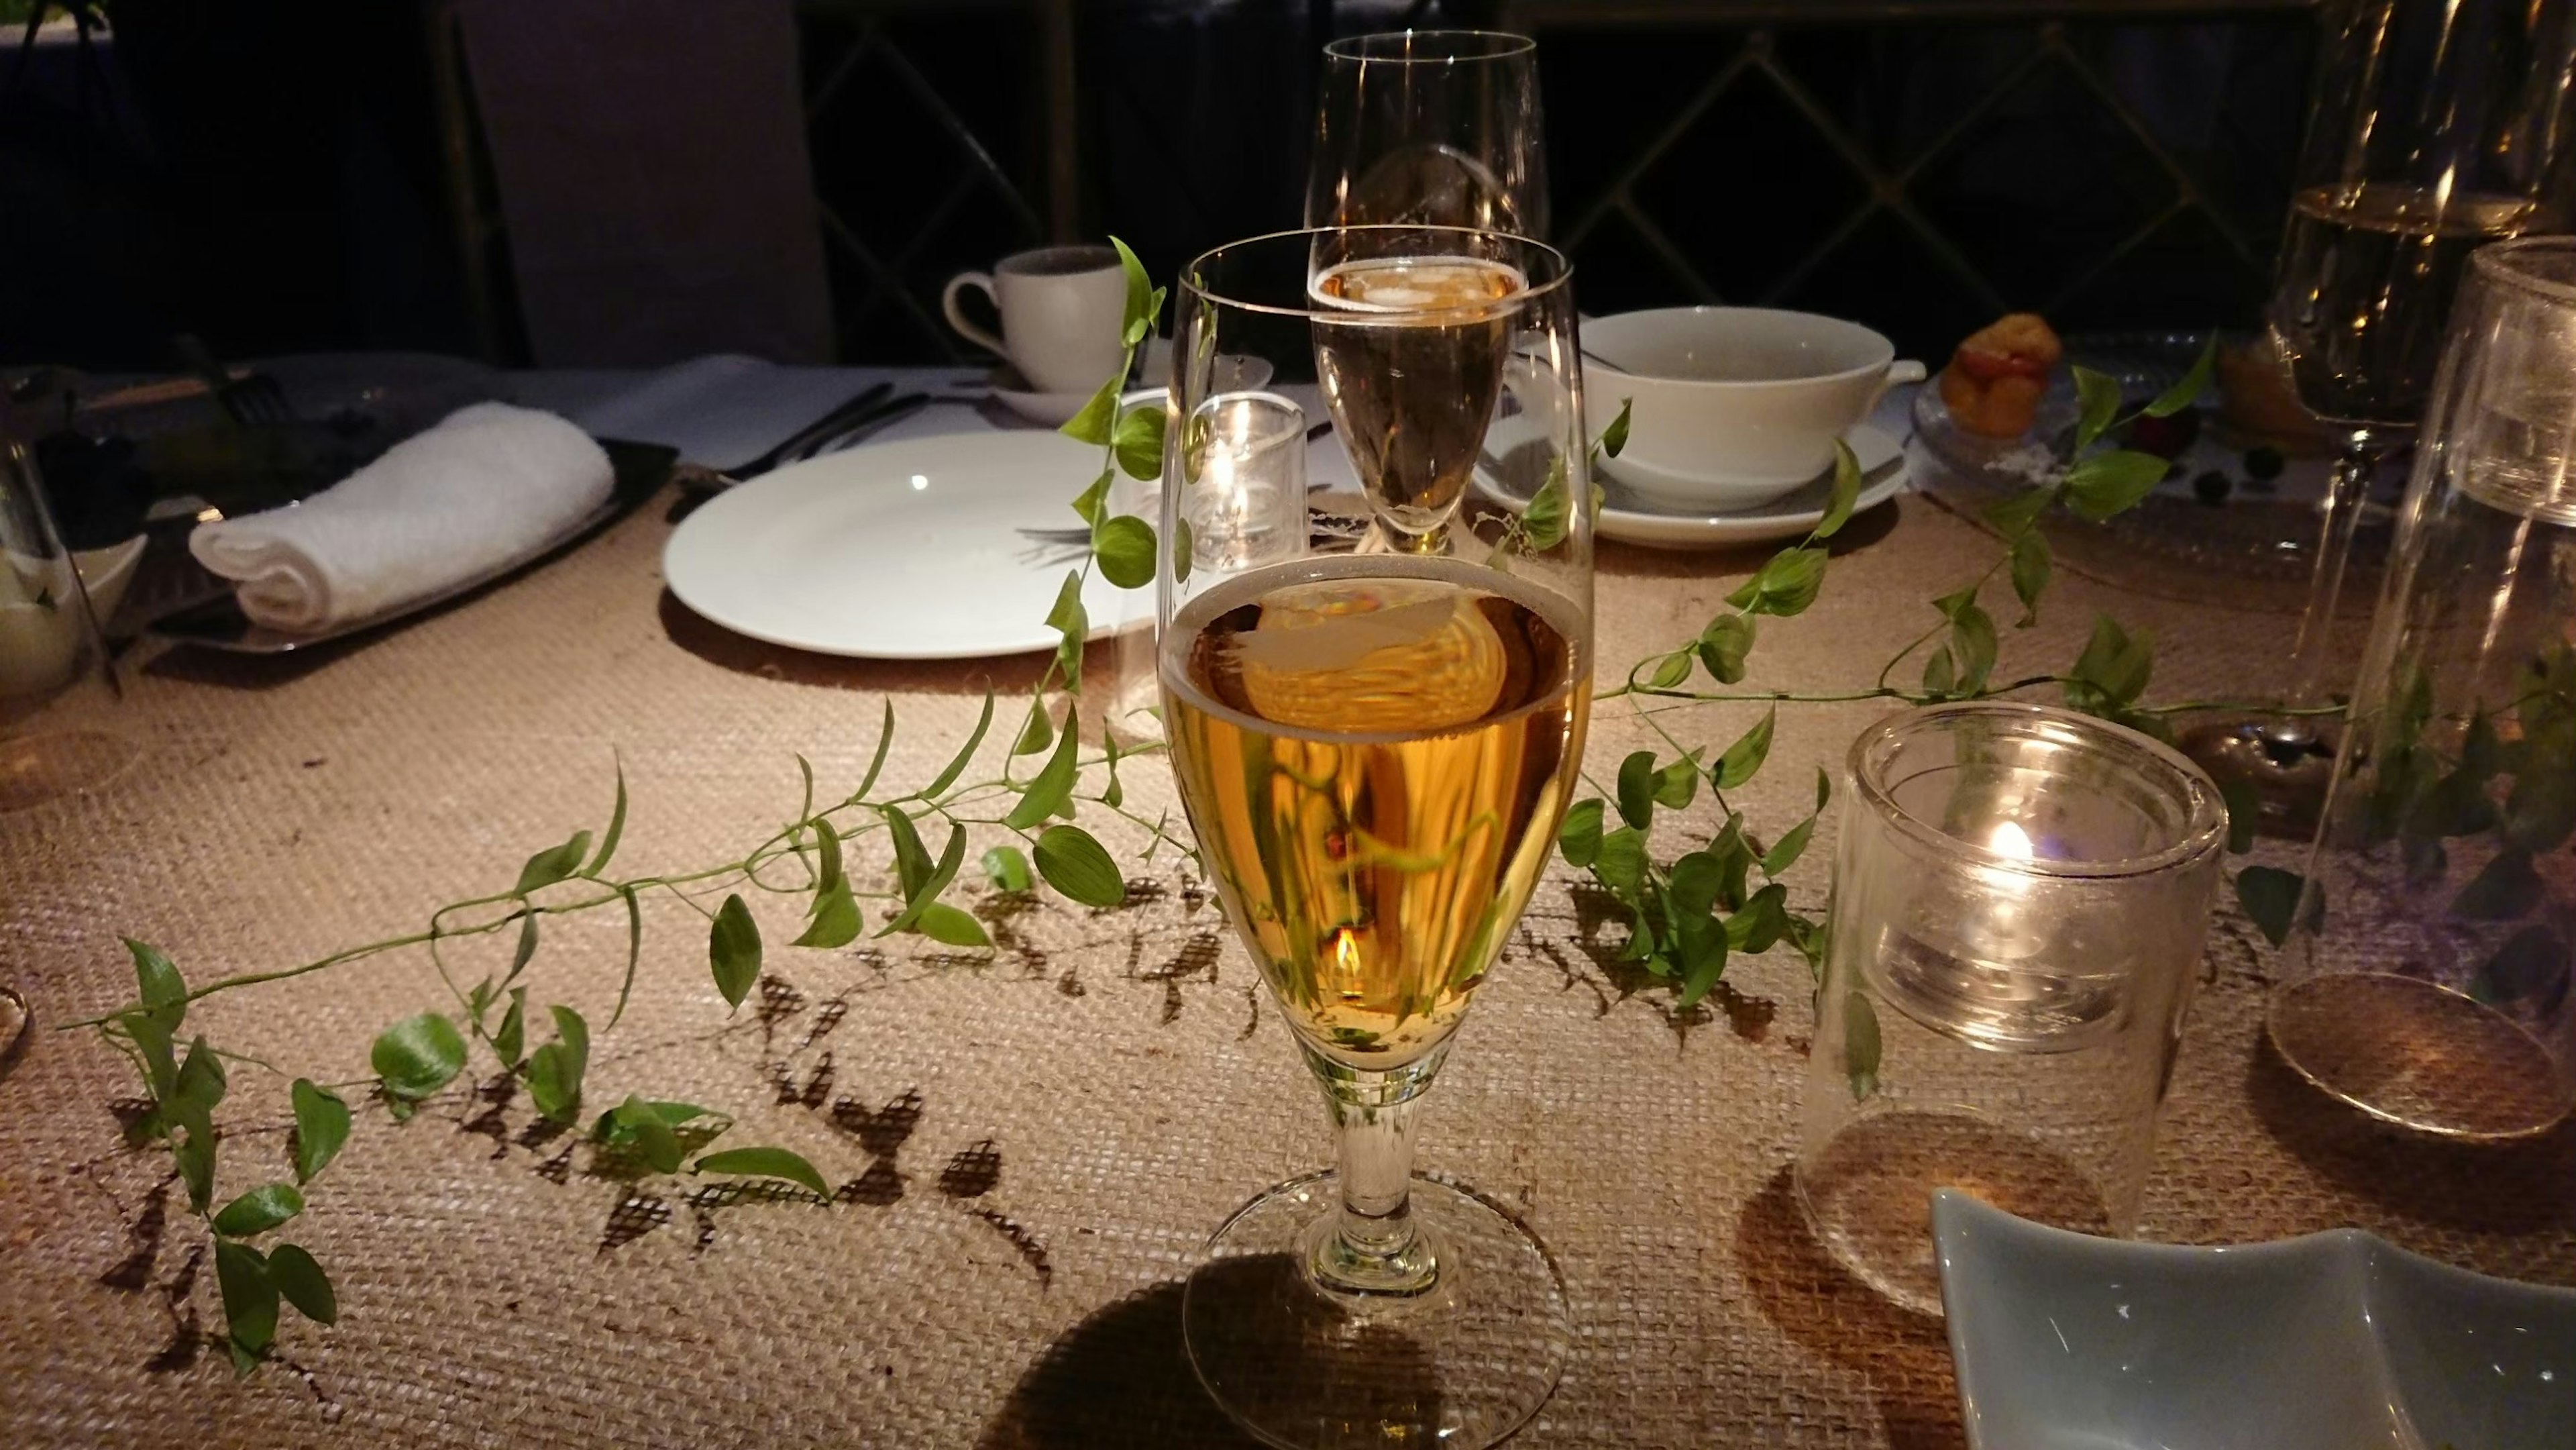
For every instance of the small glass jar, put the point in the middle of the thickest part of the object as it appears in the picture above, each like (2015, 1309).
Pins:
(2020, 894)
(2425, 979)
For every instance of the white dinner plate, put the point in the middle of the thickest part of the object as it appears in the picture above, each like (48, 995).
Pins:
(1632, 520)
(906, 550)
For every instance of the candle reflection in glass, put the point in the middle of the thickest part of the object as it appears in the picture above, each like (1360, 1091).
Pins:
(2019, 897)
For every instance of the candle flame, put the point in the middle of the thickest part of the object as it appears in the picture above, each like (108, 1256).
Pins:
(2008, 839)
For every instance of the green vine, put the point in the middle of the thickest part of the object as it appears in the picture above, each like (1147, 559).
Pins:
(1687, 914)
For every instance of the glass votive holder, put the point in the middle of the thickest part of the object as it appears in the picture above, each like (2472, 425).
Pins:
(1243, 465)
(2020, 896)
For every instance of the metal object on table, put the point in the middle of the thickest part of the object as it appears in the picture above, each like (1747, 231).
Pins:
(250, 399)
(844, 428)
(817, 431)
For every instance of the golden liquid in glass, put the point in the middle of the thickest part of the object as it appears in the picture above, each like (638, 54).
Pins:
(1413, 377)
(1375, 753)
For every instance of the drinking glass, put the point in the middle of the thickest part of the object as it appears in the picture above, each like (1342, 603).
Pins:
(2020, 894)
(1430, 127)
(2436, 125)
(49, 637)
(2426, 980)
(1375, 710)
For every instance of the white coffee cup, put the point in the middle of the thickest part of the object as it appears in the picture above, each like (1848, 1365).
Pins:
(1732, 406)
(1062, 310)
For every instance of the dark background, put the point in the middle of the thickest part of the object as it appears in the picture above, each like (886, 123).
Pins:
(274, 175)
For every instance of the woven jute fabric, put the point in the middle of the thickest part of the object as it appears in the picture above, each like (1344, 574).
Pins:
(1031, 1146)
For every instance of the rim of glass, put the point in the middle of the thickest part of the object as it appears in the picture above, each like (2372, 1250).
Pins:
(2203, 829)
(1192, 284)
(2495, 261)
(1498, 45)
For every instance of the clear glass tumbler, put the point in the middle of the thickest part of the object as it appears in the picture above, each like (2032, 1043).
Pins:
(2426, 980)
(2020, 894)
(50, 640)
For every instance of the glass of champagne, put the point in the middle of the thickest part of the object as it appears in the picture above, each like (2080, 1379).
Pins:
(2436, 126)
(1376, 713)
(1431, 127)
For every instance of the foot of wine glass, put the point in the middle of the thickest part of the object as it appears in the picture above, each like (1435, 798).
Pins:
(2288, 757)
(1363, 1305)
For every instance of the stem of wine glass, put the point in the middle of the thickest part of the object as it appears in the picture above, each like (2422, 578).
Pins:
(2347, 489)
(1370, 1245)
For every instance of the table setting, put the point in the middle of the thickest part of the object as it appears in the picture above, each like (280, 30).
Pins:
(740, 903)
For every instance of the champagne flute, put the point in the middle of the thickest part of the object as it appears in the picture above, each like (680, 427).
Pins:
(2437, 126)
(1375, 705)
(1431, 127)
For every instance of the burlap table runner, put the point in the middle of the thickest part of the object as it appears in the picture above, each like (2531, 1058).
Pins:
(1033, 1145)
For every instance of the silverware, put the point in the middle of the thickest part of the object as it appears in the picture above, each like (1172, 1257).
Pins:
(817, 431)
(250, 400)
(890, 411)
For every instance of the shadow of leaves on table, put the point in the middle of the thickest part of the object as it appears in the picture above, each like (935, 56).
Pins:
(1901, 1356)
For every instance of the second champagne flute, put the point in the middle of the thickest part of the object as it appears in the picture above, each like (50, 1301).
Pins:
(1431, 127)
(1375, 706)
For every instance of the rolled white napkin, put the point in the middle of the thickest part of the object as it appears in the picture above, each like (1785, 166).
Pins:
(488, 484)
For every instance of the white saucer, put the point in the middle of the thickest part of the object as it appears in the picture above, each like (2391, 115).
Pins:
(899, 550)
(1052, 409)
(1633, 520)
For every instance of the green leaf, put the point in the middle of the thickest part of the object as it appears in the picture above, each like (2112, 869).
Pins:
(2017, 513)
(2109, 484)
(2244, 812)
(876, 763)
(2031, 567)
(1181, 546)
(526, 951)
(652, 1139)
(836, 920)
(1671, 670)
(1550, 510)
(157, 978)
(1097, 421)
(598, 863)
(250, 1297)
(1695, 883)
(2505, 889)
(1838, 507)
(951, 926)
(2114, 666)
(1785, 584)
(634, 950)
(1092, 504)
(1723, 646)
(1579, 839)
(201, 1077)
(1073, 863)
(1139, 442)
(733, 950)
(1860, 1046)
(1761, 923)
(1702, 945)
(1126, 551)
(2098, 396)
(911, 862)
(417, 1056)
(1972, 640)
(951, 856)
(1940, 673)
(555, 1070)
(1676, 783)
(957, 763)
(1141, 291)
(614, 1126)
(151, 1034)
(1745, 756)
(1615, 437)
(1007, 869)
(258, 1211)
(2530, 966)
(194, 1155)
(1070, 622)
(1784, 853)
(1620, 863)
(303, 1283)
(2188, 390)
(553, 864)
(1051, 789)
(764, 1163)
(2540, 811)
(321, 1127)
(1036, 733)
(2270, 897)
(1637, 789)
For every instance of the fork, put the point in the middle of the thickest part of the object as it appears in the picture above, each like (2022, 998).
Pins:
(251, 400)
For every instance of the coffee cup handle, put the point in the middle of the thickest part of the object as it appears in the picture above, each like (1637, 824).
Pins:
(977, 335)
(1900, 372)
